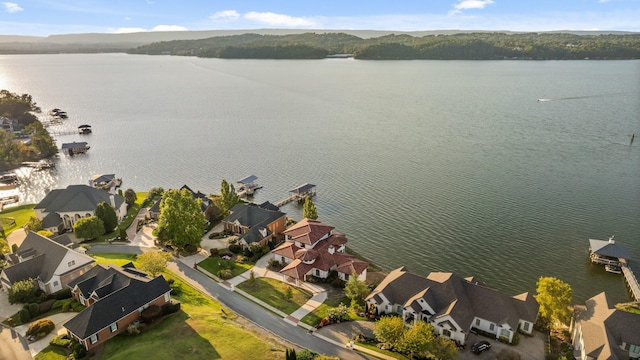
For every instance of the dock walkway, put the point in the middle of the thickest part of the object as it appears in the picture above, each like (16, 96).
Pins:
(632, 281)
(300, 193)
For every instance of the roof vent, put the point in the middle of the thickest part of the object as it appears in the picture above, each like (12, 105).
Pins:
(611, 241)
(123, 309)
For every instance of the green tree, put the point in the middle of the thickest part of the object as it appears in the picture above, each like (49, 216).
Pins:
(417, 339)
(130, 197)
(309, 210)
(153, 262)
(181, 220)
(45, 233)
(24, 291)
(554, 297)
(389, 330)
(33, 224)
(107, 214)
(288, 293)
(88, 228)
(9, 150)
(290, 354)
(443, 349)
(337, 313)
(42, 141)
(228, 197)
(356, 289)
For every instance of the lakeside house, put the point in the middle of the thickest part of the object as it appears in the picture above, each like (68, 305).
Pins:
(115, 298)
(455, 306)
(312, 248)
(61, 208)
(254, 223)
(48, 262)
(599, 331)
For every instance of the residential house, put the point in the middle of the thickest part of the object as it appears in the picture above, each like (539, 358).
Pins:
(312, 248)
(453, 305)
(7, 124)
(254, 224)
(61, 208)
(205, 202)
(602, 332)
(51, 264)
(115, 297)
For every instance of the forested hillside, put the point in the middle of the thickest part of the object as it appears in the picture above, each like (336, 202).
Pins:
(464, 46)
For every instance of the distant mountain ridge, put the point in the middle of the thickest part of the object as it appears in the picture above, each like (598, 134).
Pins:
(102, 42)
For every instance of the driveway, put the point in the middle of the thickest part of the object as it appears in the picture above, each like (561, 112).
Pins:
(529, 348)
(58, 319)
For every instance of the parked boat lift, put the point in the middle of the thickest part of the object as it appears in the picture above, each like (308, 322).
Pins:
(616, 259)
(247, 185)
(299, 194)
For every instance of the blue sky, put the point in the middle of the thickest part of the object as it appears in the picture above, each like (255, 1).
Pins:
(47, 17)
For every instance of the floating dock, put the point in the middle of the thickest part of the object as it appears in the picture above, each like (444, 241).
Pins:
(299, 194)
(613, 254)
(247, 185)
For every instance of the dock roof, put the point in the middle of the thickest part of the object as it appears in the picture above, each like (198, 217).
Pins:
(249, 179)
(609, 248)
(74, 145)
(302, 188)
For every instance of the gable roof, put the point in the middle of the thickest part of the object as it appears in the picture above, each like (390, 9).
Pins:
(76, 198)
(450, 294)
(256, 218)
(47, 256)
(116, 305)
(308, 231)
(609, 248)
(106, 279)
(604, 328)
(205, 201)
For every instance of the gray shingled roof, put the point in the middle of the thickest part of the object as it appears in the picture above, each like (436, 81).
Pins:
(76, 198)
(449, 294)
(49, 256)
(105, 279)
(115, 306)
(253, 217)
(609, 248)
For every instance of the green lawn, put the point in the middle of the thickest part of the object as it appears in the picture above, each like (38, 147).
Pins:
(202, 329)
(385, 352)
(313, 318)
(21, 214)
(117, 259)
(272, 292)
(212, 265)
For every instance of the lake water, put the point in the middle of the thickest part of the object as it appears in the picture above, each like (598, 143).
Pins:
(436, 165)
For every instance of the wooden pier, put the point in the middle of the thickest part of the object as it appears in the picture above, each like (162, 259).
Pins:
(632, 281)
(299, 194)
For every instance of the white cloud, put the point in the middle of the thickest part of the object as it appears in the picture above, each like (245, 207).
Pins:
(128, 30)
(470, 4)
(273, 19)
(225, 14)
(169, 28)
(11, 7)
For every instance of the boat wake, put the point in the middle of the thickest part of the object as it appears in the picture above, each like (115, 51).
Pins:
(582, 97)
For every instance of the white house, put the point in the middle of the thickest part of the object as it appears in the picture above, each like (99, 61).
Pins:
(49, 263)
(453, 305)
(61, 208)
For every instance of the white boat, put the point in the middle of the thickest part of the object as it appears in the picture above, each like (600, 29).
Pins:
(613, 269)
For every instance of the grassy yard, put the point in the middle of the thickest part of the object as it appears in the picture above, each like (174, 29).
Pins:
(117, 259)
(132, 212)
(313, 318)
(202, 329)
(385, 352)
(212, 265)
(273, 292)
(21, 214)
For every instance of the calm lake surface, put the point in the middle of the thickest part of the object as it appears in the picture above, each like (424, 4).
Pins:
(436, 165)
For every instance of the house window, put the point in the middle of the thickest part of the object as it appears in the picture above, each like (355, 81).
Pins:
(167, 297)
(504, 332)
(114, 326)
(71, 263)
(399, 309)
(317, 272)
(492, 327)
(55, 284)
(526, 327)
(634, 349)
(477, 322)
(346, 277)
(446, 333)
(94, 338)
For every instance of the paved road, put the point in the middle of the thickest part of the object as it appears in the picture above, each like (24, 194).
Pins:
(12, 345)
(261, 317)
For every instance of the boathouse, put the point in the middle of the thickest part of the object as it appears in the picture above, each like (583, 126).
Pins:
(247, 185)
(608, 252)
(75, 148)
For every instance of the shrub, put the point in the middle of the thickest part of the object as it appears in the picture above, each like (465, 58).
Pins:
(25, 316)
(34, 309)
(134, 329)
(23, 292)
(240, 259)
(66, 306)
(151, 313)
(225, 274)
(213, 234)
(235, 248)
(170, 308)
(306, 354)
(79, 352)
(214, 252)
(176, 289)
(40, 328)
(45, 306)
(61, 340)
(62, 294)
(191, 249)
(77, 307)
